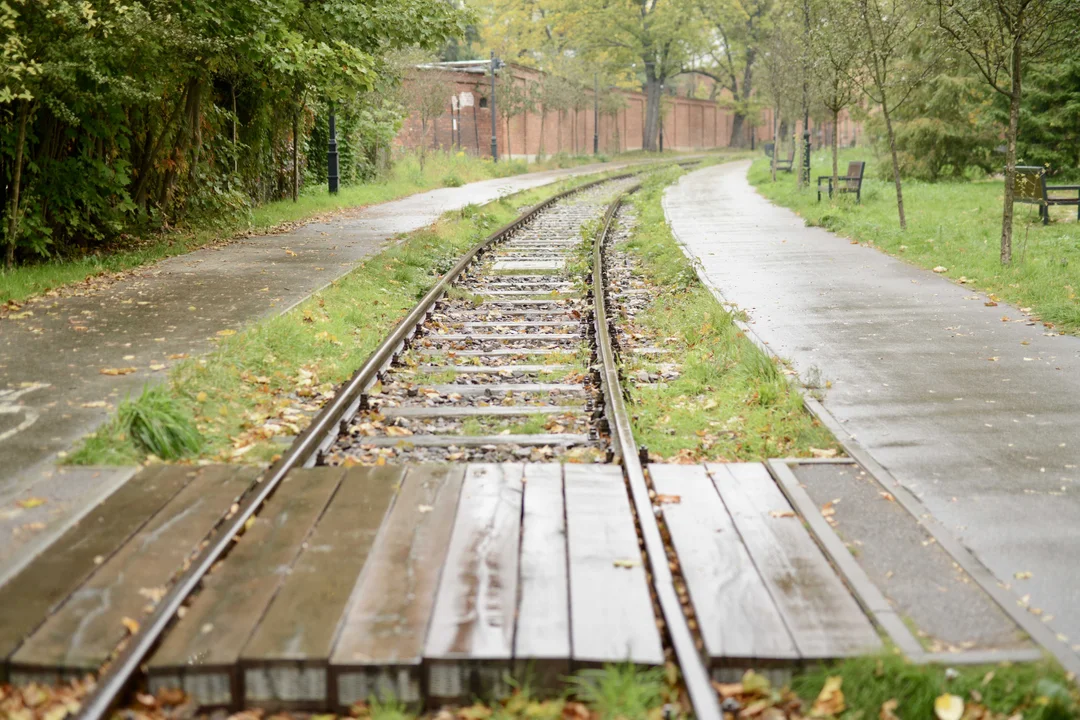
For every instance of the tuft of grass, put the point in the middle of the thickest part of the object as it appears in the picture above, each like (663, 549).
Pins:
(1037, 691)
(155, 423)
(953, 224)
(621, 691)
(452, 180)
(730, 401)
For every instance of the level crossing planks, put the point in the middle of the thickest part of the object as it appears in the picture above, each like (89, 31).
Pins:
(469, 644)
(824, 619)
(86, 629)
(740, 624)
(284, 662)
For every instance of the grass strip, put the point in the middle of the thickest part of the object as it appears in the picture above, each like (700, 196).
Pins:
(954, 225)
(261, 386)
(730, 401)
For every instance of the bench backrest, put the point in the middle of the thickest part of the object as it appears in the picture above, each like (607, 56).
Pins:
(1030, 184)
(769, 149)
(855, 174)
(791, 155)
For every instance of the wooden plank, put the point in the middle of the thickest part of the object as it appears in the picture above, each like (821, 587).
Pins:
(284, 662)
(542, 637)
(201, 652)
(470, 642)
(380, 643)
(89, 625)
(47, 581)
(824, 619)
(611, 612)
(538, 440)
(468, 411)
(738, 620)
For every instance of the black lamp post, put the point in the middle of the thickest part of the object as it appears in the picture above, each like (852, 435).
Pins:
(495, 64)
(332, 155)
(806, 105)
(596, 115)
(661, 104)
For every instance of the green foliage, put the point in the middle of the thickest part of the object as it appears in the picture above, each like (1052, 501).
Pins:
(1050, 117)
(154, 112)
(159, 425)
(620, 691)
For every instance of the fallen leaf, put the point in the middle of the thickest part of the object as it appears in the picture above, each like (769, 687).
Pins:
(424, 508)
(781, 513)
(668, 499)
(941, 269)
(822, 453)
(31, 502)
(157, 366)
(830, 701)
(627, 562)
(118, 371)
(226, 333)
(887, 495)
(1023, 575)
(95, 404)
(990, 303)
(887, 708)
(131, 625)
(948, 707)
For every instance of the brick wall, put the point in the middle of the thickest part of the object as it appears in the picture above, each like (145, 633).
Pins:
(689, 124)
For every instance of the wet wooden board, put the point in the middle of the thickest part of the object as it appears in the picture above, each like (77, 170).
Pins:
(611, 612)
(738, 619)
(539, 440)
(201, 651)
(824, 619)
(451, 411)
(90, 624)
(284, 662)
(542, 637)
(496, 369)
(530, 337)
(499, 388)
(470, 640)
(32, 594)
(380, 644)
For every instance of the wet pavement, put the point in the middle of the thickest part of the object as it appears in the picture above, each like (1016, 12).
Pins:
(53, 390)
(974, 409)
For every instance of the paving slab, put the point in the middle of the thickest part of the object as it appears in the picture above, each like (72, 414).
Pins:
(52, 391)
(975, 415)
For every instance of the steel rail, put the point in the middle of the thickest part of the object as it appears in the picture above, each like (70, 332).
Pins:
(695, 673)
(318, 435)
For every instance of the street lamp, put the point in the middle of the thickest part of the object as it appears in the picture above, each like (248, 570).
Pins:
(332, 155)
(661, 110)
(596, 115)
(495, 65)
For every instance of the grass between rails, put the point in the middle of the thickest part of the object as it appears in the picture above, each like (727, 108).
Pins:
(956, 225)
(730, 401)
(262, 385)
(406, 178)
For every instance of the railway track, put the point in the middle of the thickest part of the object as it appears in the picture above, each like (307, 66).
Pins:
(508, 359)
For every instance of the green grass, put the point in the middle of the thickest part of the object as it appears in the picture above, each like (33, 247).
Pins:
(406, 178)
(621, 691)
(155, 423)
(956, 225)
(244, 396)
(1036, 691)
(731, 401)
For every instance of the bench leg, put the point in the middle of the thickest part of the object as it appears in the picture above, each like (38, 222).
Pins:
(1044, 211)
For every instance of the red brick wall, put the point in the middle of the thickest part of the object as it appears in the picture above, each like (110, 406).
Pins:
(689, 124)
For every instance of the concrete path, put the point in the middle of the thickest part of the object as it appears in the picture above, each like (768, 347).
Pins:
(974, 409)
(52, 391)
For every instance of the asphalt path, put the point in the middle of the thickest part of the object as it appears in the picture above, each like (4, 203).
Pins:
(974, 409)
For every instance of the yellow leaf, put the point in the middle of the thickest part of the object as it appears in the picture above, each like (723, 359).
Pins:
(830, 701)
(117, 371)
(31, 502)
(226, 333)
(131, 625)
(627, 562)
(887, 708)
(201, 397)
(948, 707)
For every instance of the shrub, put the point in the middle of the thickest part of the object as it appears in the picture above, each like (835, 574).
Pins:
(159, 425)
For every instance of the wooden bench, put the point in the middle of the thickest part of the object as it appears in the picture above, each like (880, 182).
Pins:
(1031, 188)
(851, 182)
(786, 165)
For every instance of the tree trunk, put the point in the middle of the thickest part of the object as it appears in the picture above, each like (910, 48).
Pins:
(558, 133)
(835, 150)
(540, 149)
(775, 140)
(1010, 160)
(652, 114)
(236, 150)
(295, 155)
(525, 135)
(738, 136)
(423, 141)
(16, 180)
(895, 165)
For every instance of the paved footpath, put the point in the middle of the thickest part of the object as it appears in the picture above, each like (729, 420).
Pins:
(52, 391)
(974, 409)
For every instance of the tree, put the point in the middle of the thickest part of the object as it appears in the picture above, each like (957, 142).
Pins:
(1001, 37)
(511, 100)
(896, 54)
(830, 41)
(427, 94)
(781, 63)
(740, 29)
